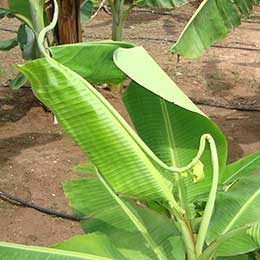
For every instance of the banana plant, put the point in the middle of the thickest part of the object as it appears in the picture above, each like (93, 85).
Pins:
(211, 22)
(163, 191)
(30, 14)
(120, 11)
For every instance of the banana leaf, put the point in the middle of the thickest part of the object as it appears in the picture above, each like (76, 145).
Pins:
(211, 22)
(243, 167)
(21, 7)
(164, 117)
(9, 251)
(101, 133)
(237, 207)
(145, 107)
(92, 60)
(90, 198)
(96, 244)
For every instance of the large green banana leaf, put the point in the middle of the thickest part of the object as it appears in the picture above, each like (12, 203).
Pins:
(125, 162)
(89, 197)
(98, 129)
(212, 21)
(237, 207)
(135, 63)
(92, 60)
(9, 251)
(168, 122)
(243, 167)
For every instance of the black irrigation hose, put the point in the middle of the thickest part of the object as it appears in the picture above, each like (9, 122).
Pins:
(19, 202)
(213, 103)
(171, 14)
(251, 21)
(161, 40)
(8, 30)
(174, 41)
(139, 10)
(214, 45)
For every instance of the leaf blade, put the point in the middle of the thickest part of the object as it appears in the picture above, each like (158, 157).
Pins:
(9, 251)
(212, 21)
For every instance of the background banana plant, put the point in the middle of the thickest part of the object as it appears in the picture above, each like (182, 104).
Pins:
(33, 15)
(30, 14)
(120, 11)
(211, 22)
(158, 193)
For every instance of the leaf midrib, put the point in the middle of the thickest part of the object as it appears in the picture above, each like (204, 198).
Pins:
(241, 211)
(242, 168)
(150, 156)
(138, 224)
(169, 132)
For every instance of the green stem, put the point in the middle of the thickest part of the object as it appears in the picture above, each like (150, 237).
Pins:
(117, 26)
(186, 233)
(36, 10)
(211, 199)
(41, 36)
(37, 14)
(23, 19)
(192, 250)
(119, 16)
(182, 195)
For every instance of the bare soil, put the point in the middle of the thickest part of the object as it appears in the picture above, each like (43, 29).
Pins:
(36, 157)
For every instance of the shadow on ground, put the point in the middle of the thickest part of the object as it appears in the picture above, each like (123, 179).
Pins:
(14, 105)
(13, 146)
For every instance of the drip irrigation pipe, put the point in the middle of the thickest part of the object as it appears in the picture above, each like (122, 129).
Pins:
(20, 202)
(174, 41)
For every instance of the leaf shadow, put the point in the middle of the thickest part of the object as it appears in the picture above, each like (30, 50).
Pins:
(14, 105)
(12, 146)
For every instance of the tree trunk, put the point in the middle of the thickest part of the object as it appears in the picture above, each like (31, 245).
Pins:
(69, 28)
